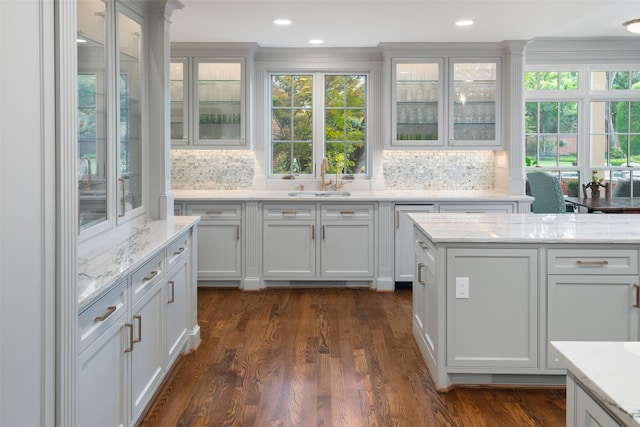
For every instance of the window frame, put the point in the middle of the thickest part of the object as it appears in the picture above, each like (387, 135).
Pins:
(318, 119)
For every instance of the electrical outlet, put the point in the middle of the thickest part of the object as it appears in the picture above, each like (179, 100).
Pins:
(462, 287)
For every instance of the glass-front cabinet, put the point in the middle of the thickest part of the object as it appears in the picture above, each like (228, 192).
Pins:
(474, 107)
(219, 106)
(178, 87)
(110, 114)
(417, 106)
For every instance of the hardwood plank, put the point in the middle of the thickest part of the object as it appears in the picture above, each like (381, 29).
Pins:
(325, 357)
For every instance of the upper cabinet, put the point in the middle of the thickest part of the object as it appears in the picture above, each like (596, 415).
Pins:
(179, 101)
(474, 108)
(111, 113)
(417, 107)
(209, 95)
(445, 102)
(219, 105)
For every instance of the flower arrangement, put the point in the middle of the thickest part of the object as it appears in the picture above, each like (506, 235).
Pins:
(594, 185)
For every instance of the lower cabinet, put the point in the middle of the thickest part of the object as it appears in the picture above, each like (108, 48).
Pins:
(588, 412)
(494, 323)
(403, 240)
(129, 338)
(102, 364)
(307, 241)
(425, 301)
(477, 208)
(219, 240)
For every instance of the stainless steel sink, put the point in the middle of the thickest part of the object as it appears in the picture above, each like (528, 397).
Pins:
(319, 194)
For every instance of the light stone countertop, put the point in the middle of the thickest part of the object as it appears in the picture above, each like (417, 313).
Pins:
(610, 370)
(529, 228)
(102, 267)
(356, 195)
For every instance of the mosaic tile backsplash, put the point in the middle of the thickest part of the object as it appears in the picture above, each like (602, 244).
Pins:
(439, 170)
(403, 170)
(212, 169)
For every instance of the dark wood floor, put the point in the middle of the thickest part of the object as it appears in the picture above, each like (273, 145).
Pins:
(325, 357)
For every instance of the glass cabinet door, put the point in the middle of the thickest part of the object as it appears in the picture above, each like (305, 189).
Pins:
(130, 174)
(219, 106)
(93, 162)
(417, 102)
(178, 84)
(474, 108)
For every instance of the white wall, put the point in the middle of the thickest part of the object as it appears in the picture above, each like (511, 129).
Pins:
(27, 203)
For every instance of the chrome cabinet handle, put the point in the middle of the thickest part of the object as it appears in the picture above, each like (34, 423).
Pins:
(153, 274)
(173, 292)
(323, 232)
(603, 262)
(237, 232)
(420, 267)
(110, 310)
(130, 348)
(139, 339)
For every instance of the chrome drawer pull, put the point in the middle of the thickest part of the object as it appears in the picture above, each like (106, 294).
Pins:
(110, 310)
(214, 212)
(139, 339)
(347, 212)
(130, 348)
(423, 245)
(289, 212)
(173, 292)
(603, 262)
(420, 267)
(179, 251)
(153, 274)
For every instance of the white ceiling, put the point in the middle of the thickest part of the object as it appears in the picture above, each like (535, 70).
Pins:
(361, 23)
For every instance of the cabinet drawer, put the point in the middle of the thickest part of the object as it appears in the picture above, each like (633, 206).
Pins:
(289, 212)
(477, 208)
(177, 251)
(99, 316)
(146, 276)
(423, 248)
(215, 212)
(347, 212)
(592, 261)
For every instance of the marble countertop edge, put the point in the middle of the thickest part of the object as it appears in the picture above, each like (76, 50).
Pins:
(610, 370)
(100, 272)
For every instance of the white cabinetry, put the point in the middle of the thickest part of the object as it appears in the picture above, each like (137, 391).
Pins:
(102, 363)
(476, 208)
(446, 101)
(591, 296)
(425, 300)
(289, 241)
(588, 412)
(403, 241)
(209, 96)
(219, 240)
(497, 325)
(299, 243)
(129, 338)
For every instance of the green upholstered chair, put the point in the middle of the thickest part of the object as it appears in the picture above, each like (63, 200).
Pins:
(547, 191)
(623, 188)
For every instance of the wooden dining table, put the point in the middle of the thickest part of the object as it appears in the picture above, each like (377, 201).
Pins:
(622, 205)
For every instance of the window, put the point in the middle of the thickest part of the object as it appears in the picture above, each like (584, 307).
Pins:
(297, 106)
(603, 142)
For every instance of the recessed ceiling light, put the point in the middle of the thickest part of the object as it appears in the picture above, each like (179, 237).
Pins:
(282, 21)
(633, 25)
(464, 22)
(316, 41)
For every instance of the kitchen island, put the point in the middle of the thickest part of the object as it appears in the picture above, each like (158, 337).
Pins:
(492, 290)
(602, 382)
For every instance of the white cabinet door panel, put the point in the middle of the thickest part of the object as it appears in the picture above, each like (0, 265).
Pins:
(289, 249)
(347, 249)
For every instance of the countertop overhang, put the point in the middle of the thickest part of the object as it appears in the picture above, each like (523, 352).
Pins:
(529, 228)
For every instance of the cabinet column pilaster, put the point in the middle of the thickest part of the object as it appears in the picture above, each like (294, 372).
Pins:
(514, 115)
(158, 158)
(386, 228)
(253, 247)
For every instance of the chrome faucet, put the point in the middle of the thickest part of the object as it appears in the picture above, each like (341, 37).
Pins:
(324, 168)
